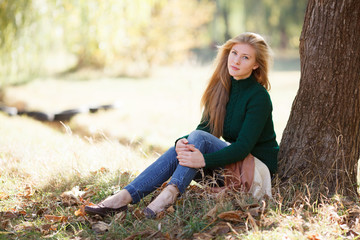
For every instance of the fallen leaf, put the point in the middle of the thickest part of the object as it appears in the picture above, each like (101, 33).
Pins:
(28, 192)
(87, 194)
(100, 227)
(160, 215)
(252, 222)
(254, 211)
(53, 218)
(42, 211)
(212, 213)
(5, 224)
(3, 196)
(220, 229)
(9, 215)
(344, 227)
(47, 228)
(203, 236)
(138, 214)
(80, 212)
(72, 197)
(27, 226)
(170, 209)
(120, 217)
(351, 233)
(233, 216)
(249, 206)
(142, 235)
(22, 212)
(101, 170)
(314, 237)
(232, 229)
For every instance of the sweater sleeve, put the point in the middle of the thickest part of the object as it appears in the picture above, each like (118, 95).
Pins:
(258, 110)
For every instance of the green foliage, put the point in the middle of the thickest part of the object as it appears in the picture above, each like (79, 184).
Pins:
(127, 36)
(15, 21)
(280, 21)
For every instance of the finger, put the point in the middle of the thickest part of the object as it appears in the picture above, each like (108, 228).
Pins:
(185, 148)
(182, 158)
(184, 163)
(186, 153)
(191, 147)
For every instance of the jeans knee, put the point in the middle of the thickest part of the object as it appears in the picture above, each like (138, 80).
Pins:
(197, 135)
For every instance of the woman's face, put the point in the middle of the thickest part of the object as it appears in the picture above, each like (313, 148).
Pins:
(241, 61)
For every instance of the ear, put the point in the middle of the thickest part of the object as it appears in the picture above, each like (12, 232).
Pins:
(255, 66)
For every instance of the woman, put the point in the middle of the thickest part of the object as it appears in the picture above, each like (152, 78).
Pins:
(238, 108)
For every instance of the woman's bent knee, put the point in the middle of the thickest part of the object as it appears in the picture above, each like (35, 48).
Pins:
(197, 134)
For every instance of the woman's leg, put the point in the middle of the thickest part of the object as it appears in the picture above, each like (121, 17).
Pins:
(150, 179)
(167, 166)
(206, 143)
(182, 176)
(153, 176)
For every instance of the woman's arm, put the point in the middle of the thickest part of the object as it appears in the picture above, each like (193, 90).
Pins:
(258, 112)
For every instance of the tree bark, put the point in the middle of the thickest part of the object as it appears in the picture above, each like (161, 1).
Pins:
(321, 142)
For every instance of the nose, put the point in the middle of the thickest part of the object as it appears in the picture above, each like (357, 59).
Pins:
(237, 60)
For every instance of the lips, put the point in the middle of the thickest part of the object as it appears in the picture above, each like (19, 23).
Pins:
(234, 68)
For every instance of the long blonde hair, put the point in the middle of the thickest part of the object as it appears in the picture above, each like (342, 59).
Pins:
(217, 92)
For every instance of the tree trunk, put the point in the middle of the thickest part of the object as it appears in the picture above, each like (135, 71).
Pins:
(320, 144)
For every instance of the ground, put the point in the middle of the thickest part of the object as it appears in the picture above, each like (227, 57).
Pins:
(50, 170)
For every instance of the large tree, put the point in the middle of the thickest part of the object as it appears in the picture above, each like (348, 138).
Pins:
(321, 142)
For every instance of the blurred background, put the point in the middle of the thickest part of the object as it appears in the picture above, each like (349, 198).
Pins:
(149, 58)
(129, 37)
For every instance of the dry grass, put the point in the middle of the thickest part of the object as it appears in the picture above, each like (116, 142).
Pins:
(38, 153)
(39, 162)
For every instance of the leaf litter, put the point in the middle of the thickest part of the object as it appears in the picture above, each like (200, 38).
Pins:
(240, 217)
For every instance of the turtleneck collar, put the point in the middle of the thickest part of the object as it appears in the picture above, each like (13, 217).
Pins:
(251, 78)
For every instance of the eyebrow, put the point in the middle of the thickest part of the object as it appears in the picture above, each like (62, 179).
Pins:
(247, 54)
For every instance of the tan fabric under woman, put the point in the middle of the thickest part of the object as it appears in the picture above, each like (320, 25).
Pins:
(250, 175)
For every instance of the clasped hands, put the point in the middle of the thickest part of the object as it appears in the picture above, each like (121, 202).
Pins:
(188, 155)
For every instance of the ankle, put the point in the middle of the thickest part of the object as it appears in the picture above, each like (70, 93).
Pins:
(118, 200)
(166, 198)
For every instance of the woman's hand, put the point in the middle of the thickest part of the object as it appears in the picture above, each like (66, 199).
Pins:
(191, 157)
(181, 145)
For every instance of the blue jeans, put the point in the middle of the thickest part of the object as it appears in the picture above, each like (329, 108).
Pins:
(167, 166)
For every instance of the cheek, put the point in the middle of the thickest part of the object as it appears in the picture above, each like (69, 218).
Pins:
(228, 63)
(229, 60)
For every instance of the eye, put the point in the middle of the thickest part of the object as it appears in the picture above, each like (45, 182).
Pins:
(245, 57)
(234, 52)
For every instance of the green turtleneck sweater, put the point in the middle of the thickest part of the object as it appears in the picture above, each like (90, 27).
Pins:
(248, 126)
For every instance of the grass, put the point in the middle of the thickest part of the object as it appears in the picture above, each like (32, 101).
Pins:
(45, 168)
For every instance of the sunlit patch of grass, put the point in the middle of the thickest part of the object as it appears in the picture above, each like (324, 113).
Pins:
(39, 153)
(101, 153)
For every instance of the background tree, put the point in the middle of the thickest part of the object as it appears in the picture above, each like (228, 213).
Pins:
(279, 20)
(126, 37)
(15, 20)
(321, 142)
(130, 36)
